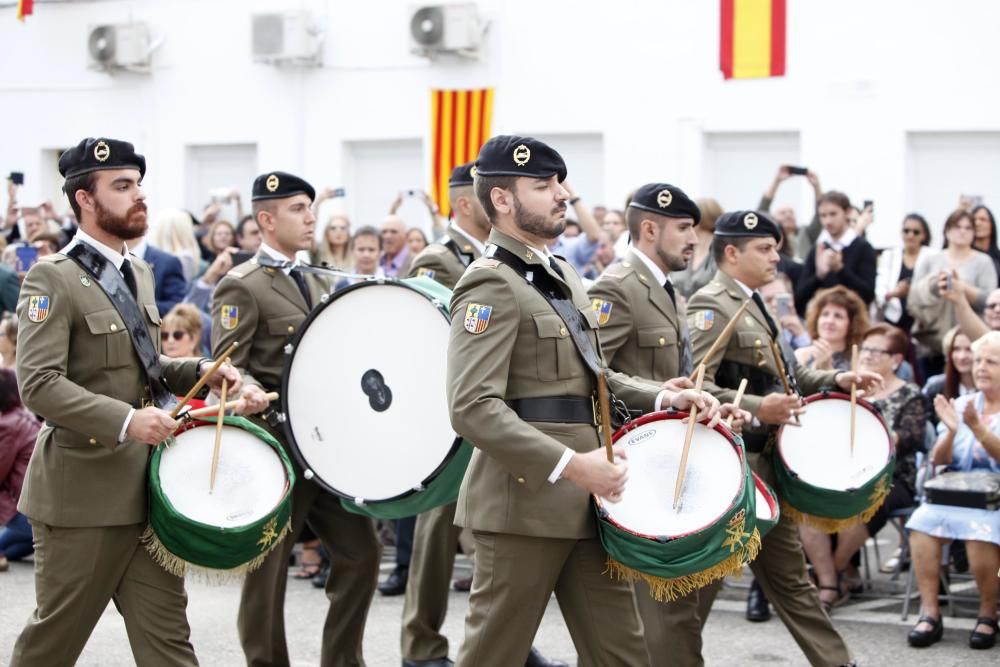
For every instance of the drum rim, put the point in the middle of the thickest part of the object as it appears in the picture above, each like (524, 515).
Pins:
(286, 371)
(735, 441)
(769, 495)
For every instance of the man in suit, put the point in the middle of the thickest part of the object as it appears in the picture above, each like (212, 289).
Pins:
(262, 303)
(521, 386)
(644, 334)
(745, 249)
(88, 362)
(171, 288)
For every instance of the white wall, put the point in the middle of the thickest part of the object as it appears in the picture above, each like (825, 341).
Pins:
(642, 76)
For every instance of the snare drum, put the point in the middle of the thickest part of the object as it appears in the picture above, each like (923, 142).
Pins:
(821, 483)
(713, 533)
(365, 402)
(768, 509)
(235, 526)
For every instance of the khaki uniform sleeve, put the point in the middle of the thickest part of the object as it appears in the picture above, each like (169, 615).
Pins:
(615, 331)
(180, 374)
(636, 392)
(478, 369)
(811, 380)
(42, 360)
(233, 291)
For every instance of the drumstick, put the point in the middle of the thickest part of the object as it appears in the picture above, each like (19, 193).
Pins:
(218, 435)
(723, 337)
(736, 401)
(781, 371)
(692, 420)
(203, 379)
(211, 409)
(605, 407)
(854, 391)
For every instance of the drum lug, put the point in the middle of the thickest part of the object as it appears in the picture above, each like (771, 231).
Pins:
(308, 473)
(360, 502)
(280, 416)
(289, 348)
(324, 297)
(418, 488)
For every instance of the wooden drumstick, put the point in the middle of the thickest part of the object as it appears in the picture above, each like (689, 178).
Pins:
(218, 436)
(854, 392)
(692, 420)
(203, 379)
(782, 372)
(736, 401)
(230, 405)
(604, 404)
(722, 339)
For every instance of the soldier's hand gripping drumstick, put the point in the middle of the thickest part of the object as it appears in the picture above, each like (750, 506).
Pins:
(593, 473)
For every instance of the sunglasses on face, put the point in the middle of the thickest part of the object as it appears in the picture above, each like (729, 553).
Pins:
(911, 232)
(177, 335)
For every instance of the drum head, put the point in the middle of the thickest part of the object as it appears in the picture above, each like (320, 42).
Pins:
(819, 451)
(249, 483)
(365, 392)
(712, 483)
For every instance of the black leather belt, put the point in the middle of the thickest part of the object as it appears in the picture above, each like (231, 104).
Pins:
(756, 443)
(561, 409)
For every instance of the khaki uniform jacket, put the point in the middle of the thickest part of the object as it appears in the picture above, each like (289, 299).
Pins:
(269, 310)
(439, 263)
(77, 369)
(708, 312)
(525, 351)
(642, 335)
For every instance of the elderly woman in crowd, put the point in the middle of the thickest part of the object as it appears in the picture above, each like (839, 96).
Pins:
(8, 340)
(836, 318)
(18, 430)
(902, 406)
(957, 377)
(181, 331)
(333, 248)
(968, 439)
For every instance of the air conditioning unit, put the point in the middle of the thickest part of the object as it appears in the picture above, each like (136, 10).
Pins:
(446, 29)
(123, 46)
(290, 38)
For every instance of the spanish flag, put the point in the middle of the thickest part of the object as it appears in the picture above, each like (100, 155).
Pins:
(460, 125)
(752, 40)
(24, 8)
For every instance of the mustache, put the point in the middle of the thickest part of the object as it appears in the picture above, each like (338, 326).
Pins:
(559, 209)
(139, 207)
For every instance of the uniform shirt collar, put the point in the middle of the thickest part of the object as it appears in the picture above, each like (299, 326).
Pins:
(275, 255)
(660, 276)
(749, 292)
(476, 243)
(116, 257)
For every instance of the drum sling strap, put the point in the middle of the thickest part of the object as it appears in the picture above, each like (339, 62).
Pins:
(464, 258)
(113, 284)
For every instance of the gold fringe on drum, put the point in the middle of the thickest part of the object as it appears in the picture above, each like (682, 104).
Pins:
(668, 590)
(830, 525)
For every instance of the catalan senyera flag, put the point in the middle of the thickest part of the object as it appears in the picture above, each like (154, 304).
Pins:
(752, 39)
(25, 8)
(460, 125)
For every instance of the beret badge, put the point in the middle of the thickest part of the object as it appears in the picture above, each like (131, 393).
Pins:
(521, 155)
(750, 221)
(272, 183)
(664, 198)
(102, 152)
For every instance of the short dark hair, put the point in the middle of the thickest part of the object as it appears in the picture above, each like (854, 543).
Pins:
(241, 225)
(261, 205)
(55, 241)
(954, 218)
(634, 217)
(367, 230)
(895, 336)
(485, 184)
(83, 181)
(836, 198)
(719, 244)
(9, 397)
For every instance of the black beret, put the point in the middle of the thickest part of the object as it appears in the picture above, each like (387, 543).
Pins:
(747, 223)
(98, 154)
(462, 175)
(280, 185)
(665, 199)
(507, 155)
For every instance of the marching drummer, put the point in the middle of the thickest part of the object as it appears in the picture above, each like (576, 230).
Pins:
(644, 334)
(436, 537)
(89, 362)
(520, 386)
(260, 304)
(745, 249)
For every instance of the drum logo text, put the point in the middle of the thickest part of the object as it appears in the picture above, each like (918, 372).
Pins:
(229, 317)
(639, 437)
(477, 318)
(38, 308)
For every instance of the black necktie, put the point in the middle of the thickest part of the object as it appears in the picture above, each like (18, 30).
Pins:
(129, 275)
(669, 286)
(767, 317)
(686, 358)
(300, 280)
(555, 267)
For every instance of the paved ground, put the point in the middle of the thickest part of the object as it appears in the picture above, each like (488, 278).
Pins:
(872, 628)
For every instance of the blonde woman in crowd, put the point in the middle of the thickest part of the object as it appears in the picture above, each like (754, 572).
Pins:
(172, 230)
(333, 247)
(181, 331)
(221, 235)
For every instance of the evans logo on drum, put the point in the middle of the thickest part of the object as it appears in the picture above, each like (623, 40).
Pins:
(378, 392)
(639, 437)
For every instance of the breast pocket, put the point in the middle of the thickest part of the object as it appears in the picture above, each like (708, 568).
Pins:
(556, 358)
(153, 318)
(107, 326)
(284, 326)
(658, 351)
(755, 348)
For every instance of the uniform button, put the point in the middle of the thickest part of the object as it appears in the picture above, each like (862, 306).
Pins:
(520, 480)
(92, 441)
(757, 342)
(114, 327)
(562, 331)
(290, 328)
(663, 341)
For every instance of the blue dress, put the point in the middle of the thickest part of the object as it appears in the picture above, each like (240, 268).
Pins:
(963, 523)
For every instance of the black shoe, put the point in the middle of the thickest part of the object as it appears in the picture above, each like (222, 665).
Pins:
(757, 606)
(436, 662)
(319, 580)
(536, 659)
(920, 638)
(395, 583)
(981, 640)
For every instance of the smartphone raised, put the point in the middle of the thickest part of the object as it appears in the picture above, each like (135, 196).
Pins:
(796, 171)
(338, 192)
(16, 177)
(26, 257)
(783, 305)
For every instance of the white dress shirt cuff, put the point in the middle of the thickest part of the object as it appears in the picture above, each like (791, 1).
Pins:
(658, 404)
(563, 462)
(128, 420)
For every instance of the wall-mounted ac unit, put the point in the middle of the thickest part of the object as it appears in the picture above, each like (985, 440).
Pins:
(446, 29)
(123, 46)
(290, 38)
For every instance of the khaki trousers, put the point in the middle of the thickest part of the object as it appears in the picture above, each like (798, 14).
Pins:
(514, 578)
(673, 629)
(77, 572)
(354, 551)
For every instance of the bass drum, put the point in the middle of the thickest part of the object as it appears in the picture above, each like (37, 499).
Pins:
(365, 403)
